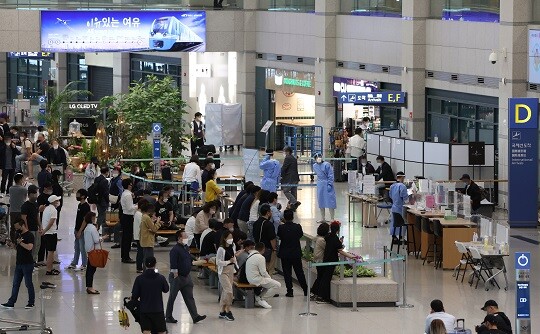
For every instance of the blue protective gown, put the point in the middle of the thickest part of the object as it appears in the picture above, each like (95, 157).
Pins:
(326, 194)
(271, 173)
(398, 194)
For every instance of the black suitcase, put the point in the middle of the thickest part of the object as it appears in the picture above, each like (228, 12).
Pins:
(205, 149)
(339, 167)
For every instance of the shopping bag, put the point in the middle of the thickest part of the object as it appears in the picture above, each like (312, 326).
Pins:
(98, 257)
(123, 318)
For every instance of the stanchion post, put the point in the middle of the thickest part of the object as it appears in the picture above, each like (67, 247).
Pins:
(404, 283)
(308, 309)
(354, 295)
(385, 250)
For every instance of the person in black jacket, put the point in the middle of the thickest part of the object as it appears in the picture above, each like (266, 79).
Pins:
(57, 155)
(503, 323)
(58, 191)
(235, 204)
(473, 191)
(103, 197)
(290, 177)
(8, 152)
(243, 211)
(384, 170)
(366, 168)
(290, 252)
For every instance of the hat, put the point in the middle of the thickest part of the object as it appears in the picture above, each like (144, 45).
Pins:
(400, 174)
(150, 262)
(465, 177)
(54, 198)
(492, 319)
(488, 303)
(270, 151)
(317, 155)
(32, 189)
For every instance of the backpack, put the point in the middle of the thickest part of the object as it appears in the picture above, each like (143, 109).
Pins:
(242, 277)
(114, 190)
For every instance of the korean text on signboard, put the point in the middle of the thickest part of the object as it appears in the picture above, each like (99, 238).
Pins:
(373, 98)
(94, 31)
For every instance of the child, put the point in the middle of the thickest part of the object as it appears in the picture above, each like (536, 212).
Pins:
(82, 209)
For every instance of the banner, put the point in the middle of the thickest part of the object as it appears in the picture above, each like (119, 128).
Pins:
(523, 162)
(373, 98)
(109, 31)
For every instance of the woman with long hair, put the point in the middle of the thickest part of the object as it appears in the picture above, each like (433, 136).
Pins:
(209, 209)
(92, 240)
(437, 327)
(226, 262)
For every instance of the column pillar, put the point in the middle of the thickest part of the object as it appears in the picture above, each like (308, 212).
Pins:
(121, 73)
(513, 36)
(415, 14)
(3, 77)
(325, 66)
(61, 71)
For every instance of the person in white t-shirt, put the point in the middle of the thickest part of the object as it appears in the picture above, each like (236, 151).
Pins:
(437, 312)
(49, 236)
(192, 173)
(357, 145)
(137, 217)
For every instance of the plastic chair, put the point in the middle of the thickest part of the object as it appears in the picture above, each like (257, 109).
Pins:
(465, 261)
(384, 206)
(426, 228)
(437, 243)
(478, 267)
(417, 226)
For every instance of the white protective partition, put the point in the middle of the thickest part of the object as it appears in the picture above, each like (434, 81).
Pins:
(414, 151)
(385, 146)
(373, 144)
(436, 153)
(223, 124)
(213, 119)
(251, 165)
(398, 149)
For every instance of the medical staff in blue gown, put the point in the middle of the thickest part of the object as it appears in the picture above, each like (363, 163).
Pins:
(399, 196)
(326, 194)
(271, 171)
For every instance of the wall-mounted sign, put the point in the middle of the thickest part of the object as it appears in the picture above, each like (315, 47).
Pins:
(374, 98)
(88, 125)
(83, 105)
(290, 81)
(534, 56)
(106, 31)
(477, 153)
(37, 55)
(346, 85)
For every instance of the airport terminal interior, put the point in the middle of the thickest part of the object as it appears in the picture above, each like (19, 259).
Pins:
(414, 123)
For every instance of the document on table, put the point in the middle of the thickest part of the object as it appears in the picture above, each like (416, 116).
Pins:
(369, 185)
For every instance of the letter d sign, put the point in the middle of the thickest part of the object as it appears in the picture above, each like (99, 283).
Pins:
(523, 113)
(527, 109)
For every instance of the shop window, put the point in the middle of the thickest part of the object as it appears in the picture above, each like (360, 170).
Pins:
(466, 10)
(386, 8)
(486, 114)
(467, 111)
(288, 5)
(450, 108)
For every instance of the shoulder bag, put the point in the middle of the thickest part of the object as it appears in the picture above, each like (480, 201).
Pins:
(98, 257)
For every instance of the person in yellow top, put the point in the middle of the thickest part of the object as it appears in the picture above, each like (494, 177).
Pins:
(212, 189)
(149, 226)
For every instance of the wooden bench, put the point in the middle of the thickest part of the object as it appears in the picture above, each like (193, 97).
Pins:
(248, 290)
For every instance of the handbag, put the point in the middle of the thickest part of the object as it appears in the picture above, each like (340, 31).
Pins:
(98, 257)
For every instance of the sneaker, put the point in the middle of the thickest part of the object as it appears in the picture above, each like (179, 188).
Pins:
(199, 318)
(262, 303)
(8, 306)
(161, 239)
(229, 316)
(29, 306)
(171, 320)
(222, 315)
(319, 300)
(81, 268)
(115, 246)
(71, 266)
(289, 294)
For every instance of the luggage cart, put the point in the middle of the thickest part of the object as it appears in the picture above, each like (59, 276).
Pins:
(305, 141)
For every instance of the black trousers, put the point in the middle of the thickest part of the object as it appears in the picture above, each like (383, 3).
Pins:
(324, 283)
(7, 176)
(196, 143)
(296, 264)
(127, 236)
(90, 271)
(317, 283)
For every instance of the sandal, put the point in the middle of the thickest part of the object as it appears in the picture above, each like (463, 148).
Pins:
(52, 272)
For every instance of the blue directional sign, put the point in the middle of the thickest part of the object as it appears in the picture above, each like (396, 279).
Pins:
(42, 99)
(156, 127)
(42, 112)
(157, 149)
(373, 98)
(523, 260)
(523, 293)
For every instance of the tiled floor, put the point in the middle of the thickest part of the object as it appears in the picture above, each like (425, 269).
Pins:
(70, 310)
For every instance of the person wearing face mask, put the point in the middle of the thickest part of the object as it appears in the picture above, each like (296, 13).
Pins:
(126, 220)
(263, 231)
(49, 234)
(8, 152)
(57, 155)
(326, 194)
(226, 266)
(4, 126)
(91, 172)
(226, 226)
(80, 250)
(357, 145)
(180, 279)
(290, 178)
(212, 191)
(366, 168)
(205, 176)
(164, 209)
(92, 240)
(26, 151)
(30, 215)
(42, 152)
(473, 191)
(201, 221)
(271, 171)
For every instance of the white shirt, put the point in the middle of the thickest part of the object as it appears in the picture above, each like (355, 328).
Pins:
(48, 214)
(448, 319)
(192, 173)
(137, 217)
(190, 229)
(256, 268)
(254, 211)
(128, 208)
(220, 258)
(357, 144)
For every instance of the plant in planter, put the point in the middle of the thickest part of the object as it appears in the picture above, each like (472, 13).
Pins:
(361, 271)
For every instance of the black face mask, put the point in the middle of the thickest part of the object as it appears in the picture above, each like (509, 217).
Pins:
(78, 199)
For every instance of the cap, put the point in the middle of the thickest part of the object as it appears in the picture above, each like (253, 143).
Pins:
(317, 155)
(400, 174)
(54, 198)
(269, 151)
(492, 319)
(150, 262)
(32, 189)
(465, 177)
(488, 303)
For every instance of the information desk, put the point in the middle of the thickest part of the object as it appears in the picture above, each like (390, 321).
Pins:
(368, 207)
(423, 240)
(453, 230)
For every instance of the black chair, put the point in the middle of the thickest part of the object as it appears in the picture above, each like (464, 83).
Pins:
(437, 243)
(398, 225)
(426, 228)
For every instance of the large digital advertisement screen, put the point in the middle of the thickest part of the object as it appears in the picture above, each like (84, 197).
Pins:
(534, 56)
(109, 31)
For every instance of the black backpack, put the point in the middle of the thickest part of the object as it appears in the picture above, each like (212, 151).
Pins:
(242, 277)
(114, 189)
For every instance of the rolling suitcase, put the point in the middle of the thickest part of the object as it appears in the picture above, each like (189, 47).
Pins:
(460, 329)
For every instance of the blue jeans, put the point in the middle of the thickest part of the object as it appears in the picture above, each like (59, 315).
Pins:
(78, 246)
(23, 271)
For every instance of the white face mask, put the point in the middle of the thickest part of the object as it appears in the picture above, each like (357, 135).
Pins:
(185, 241)
(229, 241)
(319, 160)
(212, 166)
(212, 212)
(114, 174)
(364, 163)
(8, 142)
(55, 147)
(231, 229)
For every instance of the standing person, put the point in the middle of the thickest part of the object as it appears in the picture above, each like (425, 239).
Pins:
(58, 191)
(357, 145)
(126, 220)
(42, 152)
(44, 176)
(30, 215)
(334, 248)
(48, 233)
(80, 250)
(137, 218)
(149, 228)
(244, 208)
(326, 194)
(103, 196)
(180, 279)
(263, 231)
(290, 252)
(17, 196)
(15, 137)
(24, 266)
(318, 257)
(197, 133)
(257, 275)
(212, 191)
(201, 221)
(271, 171)
(472, 190)
(57, 155)
(42, 202)
(192, 174)
(8, 152)
(291, 178)
(115, 188)
(226, 263)
(26, 151)
(138, 181)
(92, 240)
(233, 210)
(91, 172)
(398, 195)
(492, 325)
(277, 215)
(4, 126)
(148, 289)
(365, 125)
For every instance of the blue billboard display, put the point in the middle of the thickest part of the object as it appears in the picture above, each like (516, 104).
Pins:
(373, 98)
(110, 31)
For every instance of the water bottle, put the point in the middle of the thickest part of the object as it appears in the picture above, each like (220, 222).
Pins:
(475, 237)
(435, 138)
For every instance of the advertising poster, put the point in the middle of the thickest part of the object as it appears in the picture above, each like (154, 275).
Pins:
(110, 31)
(534, 56)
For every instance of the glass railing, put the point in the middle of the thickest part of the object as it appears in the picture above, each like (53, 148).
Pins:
(466, 10)
(287, 5)
(385, 8)
(118, 4)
